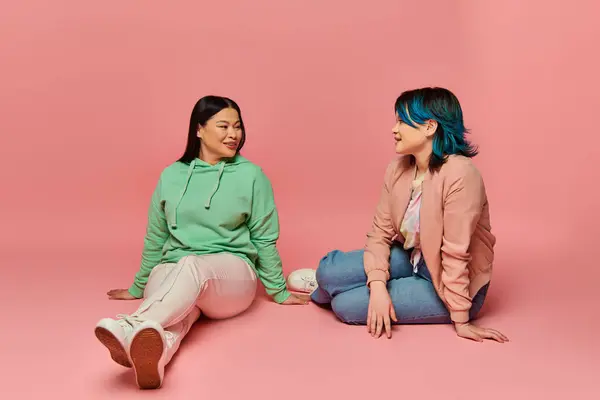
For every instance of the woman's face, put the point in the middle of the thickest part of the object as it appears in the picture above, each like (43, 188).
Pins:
(411, 140)
(220, 137)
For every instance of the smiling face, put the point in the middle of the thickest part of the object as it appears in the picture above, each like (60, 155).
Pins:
(220, 137)
(413, 140)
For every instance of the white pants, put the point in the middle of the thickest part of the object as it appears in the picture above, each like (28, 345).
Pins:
(217, 285)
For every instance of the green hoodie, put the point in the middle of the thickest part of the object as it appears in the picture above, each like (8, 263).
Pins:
(206, 209)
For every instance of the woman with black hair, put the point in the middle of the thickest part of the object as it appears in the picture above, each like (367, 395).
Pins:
(212, 232)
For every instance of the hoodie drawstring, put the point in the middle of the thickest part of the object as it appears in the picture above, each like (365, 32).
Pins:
(185, 186)
(207, 205)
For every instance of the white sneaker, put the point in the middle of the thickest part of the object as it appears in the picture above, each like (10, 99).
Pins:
(113, 334)
(303, 281)
(148, 353)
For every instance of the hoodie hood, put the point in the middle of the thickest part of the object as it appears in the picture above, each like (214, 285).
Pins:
(197, 166)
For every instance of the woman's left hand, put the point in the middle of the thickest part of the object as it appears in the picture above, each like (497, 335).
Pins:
(294, 300)
(470, 331)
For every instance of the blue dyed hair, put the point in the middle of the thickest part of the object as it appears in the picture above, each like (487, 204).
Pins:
(441, 105)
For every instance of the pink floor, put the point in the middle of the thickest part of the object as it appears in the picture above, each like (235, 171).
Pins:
(274, 352)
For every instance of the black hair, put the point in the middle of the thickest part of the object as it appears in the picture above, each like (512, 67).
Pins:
(204, 110)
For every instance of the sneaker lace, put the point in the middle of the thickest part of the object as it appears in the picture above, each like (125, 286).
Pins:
(309, 282)
(130, 321)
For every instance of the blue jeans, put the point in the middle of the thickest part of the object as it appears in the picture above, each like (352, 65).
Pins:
(342, 283)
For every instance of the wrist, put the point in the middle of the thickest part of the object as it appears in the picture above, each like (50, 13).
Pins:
(377, 285)
(136, 292)
(281, 296)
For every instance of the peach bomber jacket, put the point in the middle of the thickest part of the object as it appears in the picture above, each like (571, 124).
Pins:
(455, 233)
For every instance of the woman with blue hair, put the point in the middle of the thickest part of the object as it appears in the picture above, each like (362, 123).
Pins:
(429, 254)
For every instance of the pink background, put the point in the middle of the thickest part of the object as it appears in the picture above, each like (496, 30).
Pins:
(95, 100)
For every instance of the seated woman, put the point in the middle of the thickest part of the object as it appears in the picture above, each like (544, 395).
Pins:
(428, 256)
(212, 231)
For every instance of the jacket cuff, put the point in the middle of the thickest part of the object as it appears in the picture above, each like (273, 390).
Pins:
(459, 316)
(377, 275)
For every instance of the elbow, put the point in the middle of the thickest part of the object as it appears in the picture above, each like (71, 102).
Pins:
(456, 251)
(264, 242)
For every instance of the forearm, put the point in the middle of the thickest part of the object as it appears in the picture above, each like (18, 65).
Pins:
(376, 257)
(154, 241)
(139, 282)
(263, 224)
(150, 259)
(455, 277)
(379, 239)
(156, 236)
(270, 272)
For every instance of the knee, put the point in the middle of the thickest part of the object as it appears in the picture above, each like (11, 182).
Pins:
(351, 307)
(327, 271)
(342, 310)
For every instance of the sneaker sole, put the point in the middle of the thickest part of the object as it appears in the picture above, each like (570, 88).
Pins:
(146, 350)
(116, 349)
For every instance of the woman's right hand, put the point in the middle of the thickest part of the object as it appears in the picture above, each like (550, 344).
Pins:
(381, 310)
(120, 294)
(295, 300)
